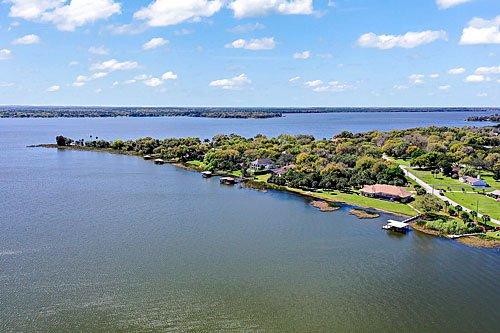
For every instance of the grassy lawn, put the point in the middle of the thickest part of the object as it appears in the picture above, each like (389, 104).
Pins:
(361, 201)
(493, 235)
(197, 164)
(487, 205)
(236, 173)
(263, 178)
(440, 181)
(488, 177)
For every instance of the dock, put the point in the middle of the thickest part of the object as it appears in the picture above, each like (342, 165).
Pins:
(397, 226)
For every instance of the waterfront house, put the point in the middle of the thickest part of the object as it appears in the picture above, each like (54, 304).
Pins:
(477, 182)
(284, 169)
(262, 164)
(388, 192)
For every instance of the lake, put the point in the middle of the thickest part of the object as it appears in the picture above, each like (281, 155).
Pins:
(100, 242)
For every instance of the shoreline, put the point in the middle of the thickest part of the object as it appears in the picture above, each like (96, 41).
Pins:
(473, 241)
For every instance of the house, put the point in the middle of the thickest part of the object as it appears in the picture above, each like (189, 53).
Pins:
(473, 181)
(388, 192)
(262, 164)
(284, 169)
(495, 195)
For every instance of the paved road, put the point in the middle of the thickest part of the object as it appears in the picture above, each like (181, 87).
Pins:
(430, 190)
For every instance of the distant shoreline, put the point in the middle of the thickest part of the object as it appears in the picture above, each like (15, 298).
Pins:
(209, 112)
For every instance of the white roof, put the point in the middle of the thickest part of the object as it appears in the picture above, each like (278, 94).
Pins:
(397, 224)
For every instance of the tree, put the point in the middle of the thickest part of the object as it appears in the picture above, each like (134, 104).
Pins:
(63, 141)
(428, 203)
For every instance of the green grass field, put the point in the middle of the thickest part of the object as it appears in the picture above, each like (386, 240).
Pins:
(487, 205)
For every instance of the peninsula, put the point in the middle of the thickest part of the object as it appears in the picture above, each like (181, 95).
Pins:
(448, 176)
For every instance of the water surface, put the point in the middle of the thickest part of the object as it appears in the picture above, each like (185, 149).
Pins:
(99, 242)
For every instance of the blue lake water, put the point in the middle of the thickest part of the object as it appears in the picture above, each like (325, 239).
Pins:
(100, 242)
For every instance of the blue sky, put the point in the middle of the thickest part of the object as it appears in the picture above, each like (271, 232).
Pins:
(250, 52)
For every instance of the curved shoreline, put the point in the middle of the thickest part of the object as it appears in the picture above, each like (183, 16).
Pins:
(473, 241)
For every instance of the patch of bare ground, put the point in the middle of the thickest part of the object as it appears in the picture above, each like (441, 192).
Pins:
(477, 241)
(363, 214)
(324, 206)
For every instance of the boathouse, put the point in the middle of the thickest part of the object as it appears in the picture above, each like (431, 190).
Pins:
(227, 180)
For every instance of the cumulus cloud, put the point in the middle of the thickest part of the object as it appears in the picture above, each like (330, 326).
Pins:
(161, 13)
(66, 15)
(266, 43)
(5, 54)
(416, 79)
(294, 79)
(487, 70)
(169, 76)
(154, 43)
(475, 78)
(247, 8)
(27, 40)
(114, 65)
(456, 71)
(82, 79)
(99, 50)
(481, 31)
(235, 83)
(409, 40)
(153, 82)
(444, 87)
(400, 87)
(445, 4)
(302, 55)
(332, 86)
(53, 88)
(434, 75)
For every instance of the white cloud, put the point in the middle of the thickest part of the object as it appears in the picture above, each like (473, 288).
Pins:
(153, 82)
(126, 29)
(445, 4)
(266, 43)
(246, 28)
(32, 9)
(407, 41)
(247, 8)
(332, 86)
(235, 83)
(6, 84)
(169, 76)
(73, 63)
(27, 40)
(400, 87)
(114, 65)
(416, 79)
(183, 32)
(481, 31)
(53, 88)
(488, 70)
(293, 79)
(5, 54)
(100, 50)
(66, 15)
(483, 94)
(161, 13)
(154, 43)
(444, 87)
(302, 55)
(456, 71)
(82, 79)
(434, 75)
(141, 77)
(475, 78)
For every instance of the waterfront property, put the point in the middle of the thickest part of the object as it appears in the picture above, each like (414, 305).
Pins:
(473, 181)
(284, 169)
(262, 164)
(388, 192)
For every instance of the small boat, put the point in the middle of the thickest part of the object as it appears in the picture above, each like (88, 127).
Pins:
(207, 174)
(147, 157)
(227, 180)
(159, 161)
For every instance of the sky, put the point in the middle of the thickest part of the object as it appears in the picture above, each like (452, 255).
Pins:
(250, 52)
